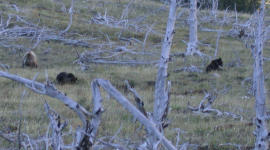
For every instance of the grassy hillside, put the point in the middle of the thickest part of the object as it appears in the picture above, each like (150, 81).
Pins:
(56, 57)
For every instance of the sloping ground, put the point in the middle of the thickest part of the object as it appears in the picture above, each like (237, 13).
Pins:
(187, 88)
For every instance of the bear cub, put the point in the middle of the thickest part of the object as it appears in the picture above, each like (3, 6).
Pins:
(63, 78)
(214, 65)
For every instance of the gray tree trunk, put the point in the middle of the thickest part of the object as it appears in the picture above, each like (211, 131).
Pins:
(214, 8)
(161, 103)
(161, 94)
(258, 83)
(193, 23)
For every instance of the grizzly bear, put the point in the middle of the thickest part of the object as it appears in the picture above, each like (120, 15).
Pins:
(30, 59)
(214, 65)
(63, 78)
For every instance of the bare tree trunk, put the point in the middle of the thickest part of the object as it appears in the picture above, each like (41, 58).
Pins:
(214, 8)
(57, 127)
(70, 18)
(258, 83)
(161, 103)
(193, 23)
(161, 95)
(97, 110)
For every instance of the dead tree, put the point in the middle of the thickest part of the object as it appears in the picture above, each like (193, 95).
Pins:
(161, 103)
(56, 126)
(261, 132)
(192, 46)
(193, 28)
(205, 106)
(70, 18)
(214, 8)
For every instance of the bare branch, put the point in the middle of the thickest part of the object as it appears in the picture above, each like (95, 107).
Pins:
(112, 57)
(20, 120)
(138, 99)
(50, 90)
(38, 38)
(4, 66)
(70, 18)
(146, 35)
(206, 106)
(57, 127)
(97, 111)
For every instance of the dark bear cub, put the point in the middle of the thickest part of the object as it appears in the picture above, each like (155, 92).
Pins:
(64, 78)
(241, 33)
(214, 65)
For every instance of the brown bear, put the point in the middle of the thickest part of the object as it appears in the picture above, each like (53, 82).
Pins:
(64, 77)
(214, 65)
(30, 59)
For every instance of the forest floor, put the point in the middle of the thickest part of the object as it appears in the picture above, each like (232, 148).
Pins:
(187, 88)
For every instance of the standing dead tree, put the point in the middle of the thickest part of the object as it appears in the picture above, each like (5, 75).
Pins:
(193, 28)
(161, 104)
(192, 46)
(219, 32)
(261, 132)
(254, 33)
(214, 8)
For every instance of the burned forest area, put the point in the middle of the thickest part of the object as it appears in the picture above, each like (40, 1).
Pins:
(134, 74)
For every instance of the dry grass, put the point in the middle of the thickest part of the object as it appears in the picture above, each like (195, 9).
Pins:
(186, 87)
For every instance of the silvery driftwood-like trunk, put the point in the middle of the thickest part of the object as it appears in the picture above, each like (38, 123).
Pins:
(193, 23)
(261, 132)
(214, 8)
(161, 94)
